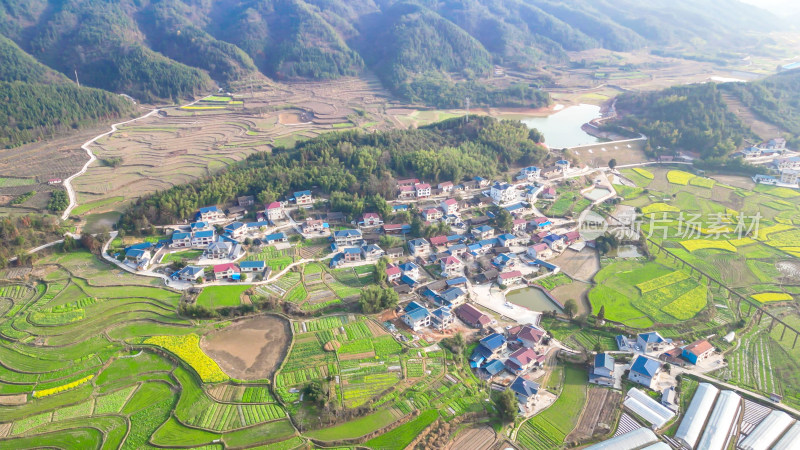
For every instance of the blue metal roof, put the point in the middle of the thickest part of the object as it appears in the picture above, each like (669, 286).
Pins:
(452, 294)
(140, 246)
(180, 235)
(482, 351)
(552, 238)
(545, 264)
(418, 314)
(234, 226)
(406, 266)
(418, 242)
(442, 312)
(645, 366)
(652, 337)
(455, 237)
(346, 233)
(474, 247)
(400, 207)
(134, 253)
(622, 342)
(456, 280)
(493, 341)
(263, 223)
(604, 360)
(200, 224)
(514, 207)
(484, 228)
(301, 193)
(252, 264)
(408, 280)
(412, 306)
(209, 209)
(206, 233)
(524, 388)
(275, 236)
(352, 250)
(191, 270)
(494, 367)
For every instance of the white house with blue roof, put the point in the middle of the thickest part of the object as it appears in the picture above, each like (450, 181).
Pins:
(529, 173)
(416, 316)
(199, 226)
(442, 318)
(483, 232)
(650, 342)
(275, 237)
(602, 371)
(203, 238)
(253, 266)
(210, 214)
(419, 247)
(495, 342)
(526, 392)
(188, 273)
(138, 258)
(348, 237)
(181, 239)
(303, 198)
(645, 371)
(235, 230)
(503, 193)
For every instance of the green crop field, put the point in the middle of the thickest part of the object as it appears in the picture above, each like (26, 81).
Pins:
(549, 428)
(215, 296)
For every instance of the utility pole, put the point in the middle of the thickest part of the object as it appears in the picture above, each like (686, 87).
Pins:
(76, 78)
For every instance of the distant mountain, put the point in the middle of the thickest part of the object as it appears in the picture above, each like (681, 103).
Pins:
(422, 49)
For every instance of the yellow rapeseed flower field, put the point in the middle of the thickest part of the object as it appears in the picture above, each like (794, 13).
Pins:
(187, 348)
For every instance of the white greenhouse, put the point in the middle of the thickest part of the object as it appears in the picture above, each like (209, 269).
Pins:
(638, 438)
(644, 406)
(695, 418)
(790, 438)
(723, 419)
(767, 432)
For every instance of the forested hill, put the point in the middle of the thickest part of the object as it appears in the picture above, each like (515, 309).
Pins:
(426, 50)
(356, 168)
(36, 102)
(693, 118)
(774, 99)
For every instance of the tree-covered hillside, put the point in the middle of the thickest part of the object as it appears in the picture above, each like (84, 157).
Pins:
(430, 51)
(353, 164)
(693, 118)
(37, 102)
(775, 99)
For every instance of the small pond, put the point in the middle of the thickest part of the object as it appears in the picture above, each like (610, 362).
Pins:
(532, 298)
(596, 194)
(563, 128)
(626, 251)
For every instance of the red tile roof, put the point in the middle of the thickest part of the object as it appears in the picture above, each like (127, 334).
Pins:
(512, 274)
(439, 240)
(225, 267)
(450, 260)
(274, 205)
(422, 186)
(532, 334)
(699, 347)
(450, 202)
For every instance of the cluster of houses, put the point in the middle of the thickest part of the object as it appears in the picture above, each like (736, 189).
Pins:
(225, 271)
(782, 164)
(509, 357)
(651, 352)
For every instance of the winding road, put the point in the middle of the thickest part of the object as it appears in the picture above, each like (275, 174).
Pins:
(73, 198)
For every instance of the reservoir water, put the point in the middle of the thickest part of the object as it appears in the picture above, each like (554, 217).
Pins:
(563, 128)
(532, 298)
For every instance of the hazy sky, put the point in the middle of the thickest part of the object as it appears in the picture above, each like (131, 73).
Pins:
(780, 7)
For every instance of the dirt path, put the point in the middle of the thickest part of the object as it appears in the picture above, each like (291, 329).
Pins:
(251, 349)
(763, 129)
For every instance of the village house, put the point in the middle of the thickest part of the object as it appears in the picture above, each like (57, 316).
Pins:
(645, 371)
(548, 193)
(509, 278)
(449, 206)
(521, 361)
(442, 318)
(451, 266)
(226, 271)
(529, 173)
(550, 172)
(275, 237)
(203, 238)
(491, 369)
(432, 214)
(407, 182)
(236, 213)
(393, 273)
(473, 317)
(554, 241)
(416, 316)
(235, 230)
(508, 240)
(789, 176)
(530, 336)
(347, 237)
(395, 252)
(526, 392)
(505, 261)
(423, 190)
(199, 226)
(180, 240)
(445, 187)
(539, 251)
(481, 182)
(188, 273)
(453, 296)
(372, 252)
(439, 241)
(571, 237)
(520, 225)
(303, 198)
(540, 223)
(222, 250)
(496, 343)
(419, 247)
(313, 226)
(139, 258)
(650, 342)
(352, 254)
(253, 266)
(396, 228)
(210, 214)
(257, 226)
(602, 372)
(698, 351)
(371, 219)
(563, 165)
(483, 232)
(410, 270)
(405, 192)
(246, 201)
(502, 193)
(275, 211)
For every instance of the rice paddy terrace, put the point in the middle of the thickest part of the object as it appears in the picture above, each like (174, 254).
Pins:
(100, 358)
